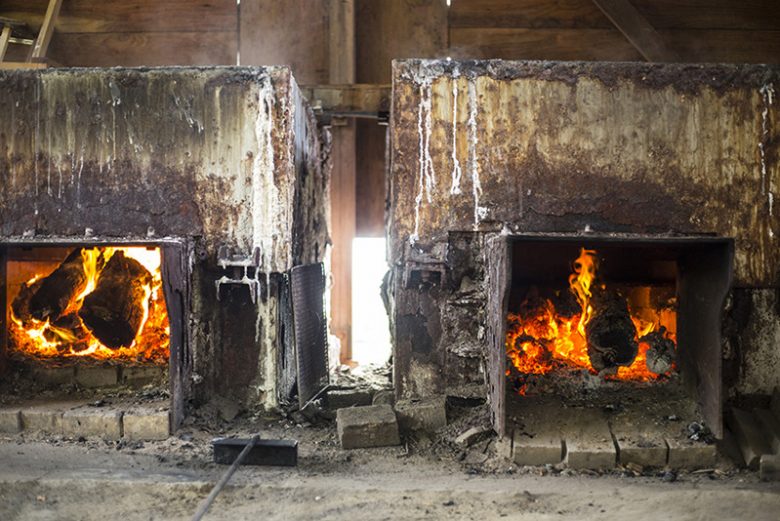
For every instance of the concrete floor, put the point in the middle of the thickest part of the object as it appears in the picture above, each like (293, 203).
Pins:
(64, 480)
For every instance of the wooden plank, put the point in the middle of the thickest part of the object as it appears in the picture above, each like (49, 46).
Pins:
(753, 15)
(637, 30)
(341, 60)
(120, 16)
(542, 44)
(144, 49)
(358, 99)
(397, 29)
(539, 14)
(293, 32)
(47, 29)
(370, 183)
(725, 46)
(4, 37)
(499, 277)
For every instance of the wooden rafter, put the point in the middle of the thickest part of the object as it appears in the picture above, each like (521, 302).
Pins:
(637, 30)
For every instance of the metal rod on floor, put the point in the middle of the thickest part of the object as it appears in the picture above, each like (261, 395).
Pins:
(204, 506)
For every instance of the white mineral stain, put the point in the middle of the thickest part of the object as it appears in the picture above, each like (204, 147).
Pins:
(427, 176)
(457, 172)
(768, 95)
(479, 211)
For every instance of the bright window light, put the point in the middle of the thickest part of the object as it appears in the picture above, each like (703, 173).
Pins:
(370, 332)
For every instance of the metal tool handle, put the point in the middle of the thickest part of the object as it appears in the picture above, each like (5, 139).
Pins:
(204, 506)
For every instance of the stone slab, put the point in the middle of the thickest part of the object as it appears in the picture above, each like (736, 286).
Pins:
(368, 426)
(641, 440)
(99, 376)
(770, 427)
(93, 421)
(427, 415)
(146, 425)
(539, 450)
(341, 398)
(10, 421)
(537, 438)
(383, 397)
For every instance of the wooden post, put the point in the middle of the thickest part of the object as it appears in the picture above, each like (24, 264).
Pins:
(637, 30)
(4, 306)
(342, 71)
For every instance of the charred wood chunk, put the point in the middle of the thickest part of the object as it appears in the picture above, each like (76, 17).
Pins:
(21, 304)
(610, 333)
(114, 311)
(69, 331)
(60, 289)
(660, 355)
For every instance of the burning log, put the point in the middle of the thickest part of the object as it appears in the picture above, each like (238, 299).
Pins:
(610, 333)
(115, 310)
(60, 289)
(21, 304)
(660, 355)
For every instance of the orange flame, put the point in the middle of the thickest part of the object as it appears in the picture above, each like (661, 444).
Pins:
(41, 339)
(539, 339)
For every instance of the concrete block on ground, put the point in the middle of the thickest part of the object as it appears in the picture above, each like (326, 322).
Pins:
(686, 454)
(42, 419)
(342, 398)
(770, 427)
(10, 421)
(588, 440)
(769, 467)
(138, 376)
(427, 415)
(93, 421)
(146, 425)
(749, 437)
(367, 426)
(383, 397)
(53, 376)
(97, 376)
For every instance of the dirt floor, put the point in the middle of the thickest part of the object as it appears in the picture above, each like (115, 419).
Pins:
(54, 478)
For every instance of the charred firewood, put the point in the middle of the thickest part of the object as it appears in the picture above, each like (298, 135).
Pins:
(660, 355)
(114, 311)
(610, 333)
(69, 332)
(21, 304)
(60, 289)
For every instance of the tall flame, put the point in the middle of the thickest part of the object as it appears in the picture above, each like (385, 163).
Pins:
(580, 283)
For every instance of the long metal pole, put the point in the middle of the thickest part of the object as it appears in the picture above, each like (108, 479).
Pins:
(204, 506)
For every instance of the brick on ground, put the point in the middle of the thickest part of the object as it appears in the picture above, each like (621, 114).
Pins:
(588, 440)
(536, 438)
(93, 421)
(53, 376)
(367, 426)
(427, 415)
(641, 439)
(146, 424)
(42, 418)
(137, 376)
(10, 420)
(98, 376)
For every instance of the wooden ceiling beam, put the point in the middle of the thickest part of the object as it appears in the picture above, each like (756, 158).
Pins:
(637, 30)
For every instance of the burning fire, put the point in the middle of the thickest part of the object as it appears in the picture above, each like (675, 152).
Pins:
(63, 330)
(540, 338)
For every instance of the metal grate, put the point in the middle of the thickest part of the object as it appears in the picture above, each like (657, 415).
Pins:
(311, 332)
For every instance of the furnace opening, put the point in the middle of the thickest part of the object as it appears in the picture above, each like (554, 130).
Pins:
(91, 303)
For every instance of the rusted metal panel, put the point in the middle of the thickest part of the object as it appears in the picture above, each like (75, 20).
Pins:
(499, 262)
(569, 147)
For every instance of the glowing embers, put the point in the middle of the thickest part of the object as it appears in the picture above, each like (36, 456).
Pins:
(101, 303)
(625, 334)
